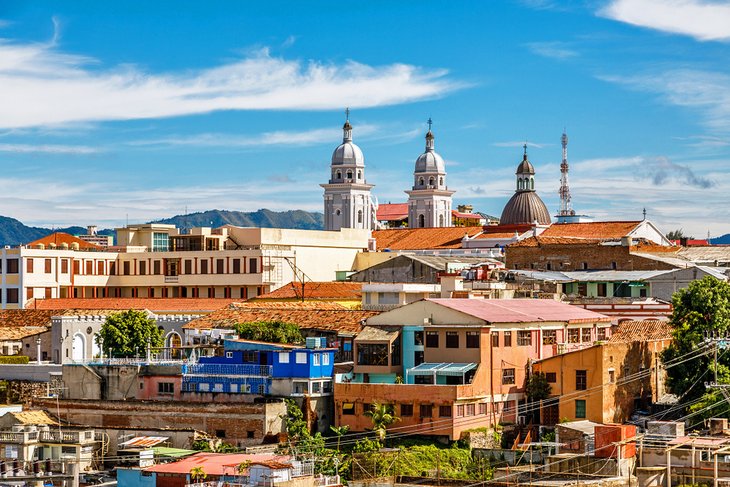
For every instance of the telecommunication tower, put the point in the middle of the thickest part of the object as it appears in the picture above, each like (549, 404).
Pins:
(564, 191)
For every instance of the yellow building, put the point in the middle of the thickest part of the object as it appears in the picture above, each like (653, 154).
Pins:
(605, 383)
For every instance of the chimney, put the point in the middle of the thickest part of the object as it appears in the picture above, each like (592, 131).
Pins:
(627, 241)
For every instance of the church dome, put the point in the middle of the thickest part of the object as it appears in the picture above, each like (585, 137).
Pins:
(430, 161)
(525, 207)
(525, 166)
(347, 152)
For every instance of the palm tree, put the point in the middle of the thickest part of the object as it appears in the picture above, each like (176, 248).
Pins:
(197, 474)
(382, 416)
(339, 431)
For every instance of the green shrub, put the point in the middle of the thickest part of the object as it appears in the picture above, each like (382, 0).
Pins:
(14, 359)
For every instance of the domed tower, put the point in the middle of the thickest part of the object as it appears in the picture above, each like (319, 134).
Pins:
(525, 206)
(429, 202)
(347, 202)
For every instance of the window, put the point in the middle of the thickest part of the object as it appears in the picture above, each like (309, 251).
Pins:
(160, 242)
(253, 266)
(482, 408)
(165, 388)
(495, 339)
(250, 434)
(524, 338)
(359, 216)
(418, 357)
(406, 410)
(229, 354)
(283, 357)
(611, 376)
(327, 387)
(29, 266)
(316, 387)
(574, 335)
(315, 359)
(452, 339)
(301, 358)
(203, 266)
(602, 289)
(425, 411)
(143, 268)
(614, 266)
(325, 358)
(188, 266)
(418, 338)
(112, 268)
(580, 409)
(585, 335)
(236, 266)
(508, 376)
(64, 266)
(432, 339)
(581, 380)
(250, 356)
(472, 339)
(459, 410)
(157, 265)
(372, 354)
(549, 337)
(551, 377)
(220, 433)
(584, 266)
(601, 332)
(48, 266)
(421, 221)
(445, 411)
(507, 338)
(220, 266)
(125, 268)
(12, 295)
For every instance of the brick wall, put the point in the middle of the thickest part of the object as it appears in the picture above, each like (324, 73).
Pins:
(572, 257)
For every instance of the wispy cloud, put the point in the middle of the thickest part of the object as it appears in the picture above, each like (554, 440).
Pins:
(701, 19)
(518, 143)
(705, 91)
(44, 86)
(553, 49)
(660, 170)
(49, 149)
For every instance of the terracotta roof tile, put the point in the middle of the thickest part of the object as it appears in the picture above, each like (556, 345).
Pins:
(59, 238)
(16, 324)
(392, 211)
(156, 305)
(541, 240)
(423, 238)
(591, 230)
(316, 290)
(640, 331)
(35, 416)
(312, 315)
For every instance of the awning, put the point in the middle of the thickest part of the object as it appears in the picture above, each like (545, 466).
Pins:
(443, 368)
(144, 441)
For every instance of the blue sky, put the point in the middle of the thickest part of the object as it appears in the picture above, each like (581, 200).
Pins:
(116, 110)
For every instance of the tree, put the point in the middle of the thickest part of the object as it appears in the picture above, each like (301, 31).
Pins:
(197, 474)
(382, 416)
(537, 387)
(703, 307)
(270, 331)
(677, 234)
(128, 333)
(339, 431)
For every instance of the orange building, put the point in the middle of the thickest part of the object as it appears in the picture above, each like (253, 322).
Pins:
(449, 365)
(606, 382)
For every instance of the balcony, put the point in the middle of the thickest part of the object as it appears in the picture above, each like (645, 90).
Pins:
(21, 437)
(73, 437)
(231, 370)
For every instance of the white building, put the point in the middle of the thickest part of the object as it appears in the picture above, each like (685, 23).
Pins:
(347, 202)
(429, 201)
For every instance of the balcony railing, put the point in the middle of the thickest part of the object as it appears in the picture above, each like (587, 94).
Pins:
(20, 437)
(326, 480)
(237, 370)
(76, 437)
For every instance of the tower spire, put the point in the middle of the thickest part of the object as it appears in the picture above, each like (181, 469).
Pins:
(347, 128)
(564, 191)
(429, 136)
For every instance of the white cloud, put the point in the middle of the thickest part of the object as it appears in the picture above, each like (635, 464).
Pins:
(49, 149)
(555, 50)
(701, 19)
(705, 91)
(43, 86)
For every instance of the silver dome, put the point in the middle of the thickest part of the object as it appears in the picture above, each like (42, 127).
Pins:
(348, 153)
(430, 161)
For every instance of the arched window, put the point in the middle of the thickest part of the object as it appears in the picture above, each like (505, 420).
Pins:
(78, 348)
(339, 175)
(359, 175)
(421, 221)
(430, 181)
(349, 174)
(359, 216)
(441, 220)
(441, 181)
(338, 212)
(420, 181)
(532, 183)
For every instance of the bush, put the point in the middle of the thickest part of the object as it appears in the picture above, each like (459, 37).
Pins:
(14, 359)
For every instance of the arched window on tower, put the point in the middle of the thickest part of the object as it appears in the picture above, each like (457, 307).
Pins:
(339, 175)
(421, 221)
(441, 220)
(420, 181)
(532, 183)
(430, 181)
(359, 175)
(441, 181)
(359, 216)
(349, 174)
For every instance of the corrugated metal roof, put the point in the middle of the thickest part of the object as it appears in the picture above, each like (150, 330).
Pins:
(444, 368)
(521, 310)
(145, 441)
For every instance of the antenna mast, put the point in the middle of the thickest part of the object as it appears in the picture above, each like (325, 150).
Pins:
(564, 191)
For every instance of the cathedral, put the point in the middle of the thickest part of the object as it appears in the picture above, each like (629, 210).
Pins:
(349, 204)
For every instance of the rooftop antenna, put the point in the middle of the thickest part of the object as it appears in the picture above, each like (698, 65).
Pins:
(564, 191)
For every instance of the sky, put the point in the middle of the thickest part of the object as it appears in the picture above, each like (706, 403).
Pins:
(115, 112)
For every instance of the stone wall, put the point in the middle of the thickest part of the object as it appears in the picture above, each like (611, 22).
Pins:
(572, 257)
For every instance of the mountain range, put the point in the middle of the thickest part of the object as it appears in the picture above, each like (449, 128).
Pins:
(14, 232)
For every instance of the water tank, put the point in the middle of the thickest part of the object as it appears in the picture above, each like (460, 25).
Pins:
(75, 246)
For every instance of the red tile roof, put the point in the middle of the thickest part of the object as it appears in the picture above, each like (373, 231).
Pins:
(214, 464)
(473, 216)
(16, 324)
(423, 238)
(541, 240)
(591, 230)
(522, 310)
(313, 315)
(157, 305)
(316, 290)
(392, 211)
(59, 238)
(640, 331)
